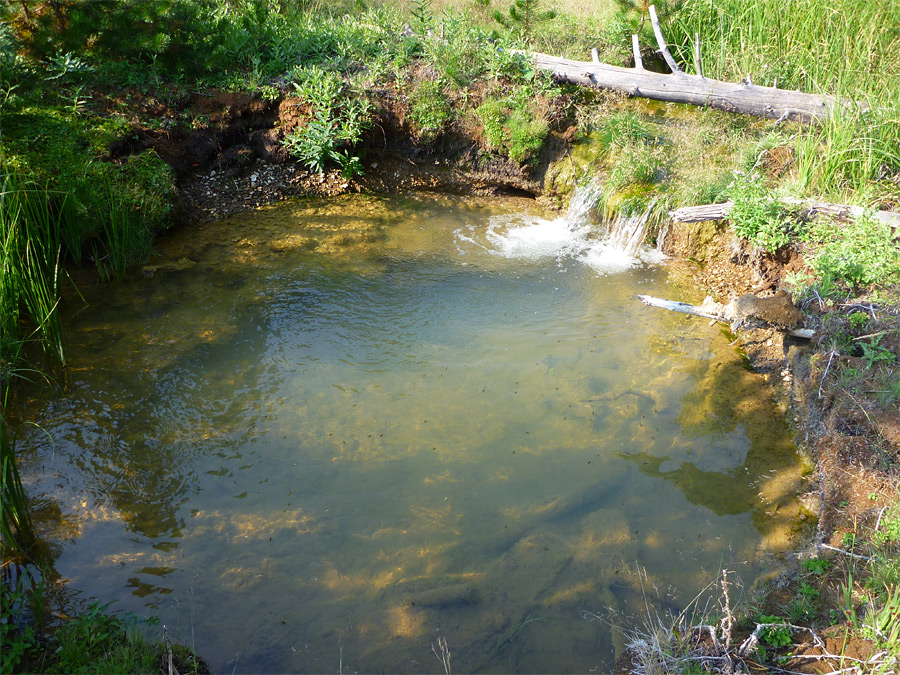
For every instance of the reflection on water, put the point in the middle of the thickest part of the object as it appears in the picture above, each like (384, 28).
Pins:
(323, 435)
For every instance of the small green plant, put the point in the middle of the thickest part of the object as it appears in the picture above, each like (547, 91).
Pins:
(430, 110)
(422, 18)
(514, 125)
(874, 353)
(817, 566)
(16, 636)
(330, 136)
(861, 253)
(858, 321)
(523, 17)
(777, 633)
(756, 215)
(889, 528)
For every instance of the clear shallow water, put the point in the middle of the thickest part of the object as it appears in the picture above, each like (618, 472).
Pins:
(321, 436)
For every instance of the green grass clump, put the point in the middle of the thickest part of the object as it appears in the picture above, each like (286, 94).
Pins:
(861, 253)
(514, 125)
(430, 111)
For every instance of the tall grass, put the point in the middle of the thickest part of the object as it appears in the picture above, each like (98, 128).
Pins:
(15, 524)
(30, 257)
(846, 48)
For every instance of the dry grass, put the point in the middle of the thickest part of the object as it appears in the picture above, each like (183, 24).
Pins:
(580, 9)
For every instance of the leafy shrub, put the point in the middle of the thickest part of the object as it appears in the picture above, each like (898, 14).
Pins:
(430, 110)
(776, 635)
(513, 125)
(331, 135)
(861, 253)
(757, 216)
(317, 86)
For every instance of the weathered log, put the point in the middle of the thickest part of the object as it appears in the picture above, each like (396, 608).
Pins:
(679, 87)
(696, 214)
(714, 310)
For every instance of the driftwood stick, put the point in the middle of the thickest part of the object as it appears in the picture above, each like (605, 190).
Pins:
(696, 214)
(679, 87)
(660, 40)
(711, 311)
(636, 49)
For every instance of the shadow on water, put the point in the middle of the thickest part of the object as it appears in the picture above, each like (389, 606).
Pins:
(332, 431)
(727, 404)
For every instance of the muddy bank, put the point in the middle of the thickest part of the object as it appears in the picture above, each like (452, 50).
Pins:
(230, 158)
(854, 441)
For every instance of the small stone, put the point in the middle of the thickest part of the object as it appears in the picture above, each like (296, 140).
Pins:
(768, 343)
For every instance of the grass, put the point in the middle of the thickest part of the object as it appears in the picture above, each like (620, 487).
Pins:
(95, 641)
(15, 525)
(31, 245)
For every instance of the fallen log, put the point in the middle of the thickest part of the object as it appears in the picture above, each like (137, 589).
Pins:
(710, 309)
(680, 87)
(696, 214)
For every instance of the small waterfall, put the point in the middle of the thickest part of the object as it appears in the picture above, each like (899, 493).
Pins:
(576, 235)
(661, 238)
(583, 200)
(627, 232)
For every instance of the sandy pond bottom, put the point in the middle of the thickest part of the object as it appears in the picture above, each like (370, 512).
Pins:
(328, 433)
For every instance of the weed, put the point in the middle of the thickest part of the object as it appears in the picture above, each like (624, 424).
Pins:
(514, 125)
(817, 566)
(874, 353)
(16, 636)
(777, 634)
(860, 253)
(858, 321)
(430, 110)
(757, 216)
(422, 18)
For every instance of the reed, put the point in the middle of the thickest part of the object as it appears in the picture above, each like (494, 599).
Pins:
(845, 48)
(30, 235)
(15, 525)
(125, 239)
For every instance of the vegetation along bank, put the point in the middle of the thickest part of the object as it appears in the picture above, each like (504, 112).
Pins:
(120, 120)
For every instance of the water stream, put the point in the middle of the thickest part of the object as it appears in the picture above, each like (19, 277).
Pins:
(322, 435)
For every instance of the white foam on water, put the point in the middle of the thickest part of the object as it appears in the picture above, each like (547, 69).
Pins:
(608, 250)
(533, 237)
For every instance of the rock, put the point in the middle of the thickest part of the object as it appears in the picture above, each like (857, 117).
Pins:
(444, 596)
(777, 310)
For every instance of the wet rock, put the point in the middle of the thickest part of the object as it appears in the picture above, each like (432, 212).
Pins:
(777, 310)
(444, 596)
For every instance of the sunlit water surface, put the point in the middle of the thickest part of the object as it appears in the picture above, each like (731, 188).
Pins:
(323, 435)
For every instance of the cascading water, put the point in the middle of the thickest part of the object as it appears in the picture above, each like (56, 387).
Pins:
(576, 235)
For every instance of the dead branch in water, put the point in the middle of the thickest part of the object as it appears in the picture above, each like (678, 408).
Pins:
(716, 311)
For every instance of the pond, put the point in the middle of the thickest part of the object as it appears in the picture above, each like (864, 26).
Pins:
(323, 435)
